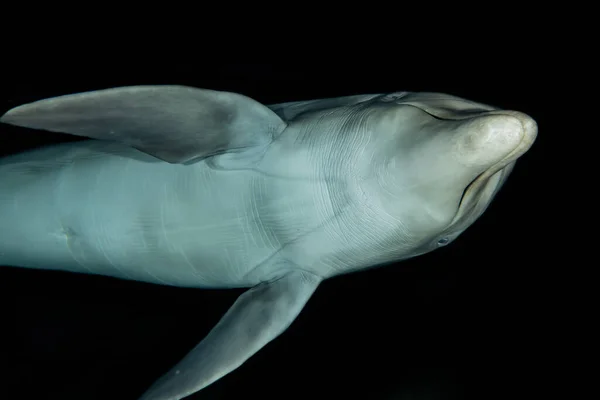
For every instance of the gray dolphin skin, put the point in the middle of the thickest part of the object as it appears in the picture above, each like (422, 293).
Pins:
(207, 189)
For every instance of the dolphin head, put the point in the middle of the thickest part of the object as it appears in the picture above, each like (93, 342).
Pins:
(437, 161)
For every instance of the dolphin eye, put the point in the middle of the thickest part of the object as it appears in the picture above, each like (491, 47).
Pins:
(443, 241)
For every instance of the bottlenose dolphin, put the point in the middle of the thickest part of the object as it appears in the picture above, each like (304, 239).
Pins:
(208, 189)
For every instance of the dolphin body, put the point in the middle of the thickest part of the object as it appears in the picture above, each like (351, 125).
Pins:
(200, 188)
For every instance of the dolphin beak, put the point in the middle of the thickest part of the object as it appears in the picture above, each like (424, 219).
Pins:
(492, 137)
(514, 134)
(519, 132)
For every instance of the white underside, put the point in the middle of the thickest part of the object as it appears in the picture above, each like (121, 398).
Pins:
(102, 208)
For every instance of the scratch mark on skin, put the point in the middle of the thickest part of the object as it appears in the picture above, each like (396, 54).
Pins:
(327, 221)
(102, 249)
(188, 262)
(65, 232)
(248, 220)
(256, 217)
(102, 246)
(164, 231)
(68, 240)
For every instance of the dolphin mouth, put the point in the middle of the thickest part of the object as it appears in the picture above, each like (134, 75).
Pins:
(478, 194)
(487, 184)
(481, 184)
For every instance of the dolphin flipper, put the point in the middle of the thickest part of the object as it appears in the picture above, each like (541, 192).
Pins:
(257, 317)
(174, 123)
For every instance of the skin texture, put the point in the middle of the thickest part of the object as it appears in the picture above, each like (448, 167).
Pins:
(206, 189)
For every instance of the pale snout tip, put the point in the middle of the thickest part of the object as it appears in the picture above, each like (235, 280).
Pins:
(486, 140)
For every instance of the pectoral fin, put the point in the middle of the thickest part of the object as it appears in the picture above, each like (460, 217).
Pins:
(257, 317)
(174, 123)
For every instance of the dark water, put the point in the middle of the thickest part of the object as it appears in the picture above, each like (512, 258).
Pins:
(450, 323)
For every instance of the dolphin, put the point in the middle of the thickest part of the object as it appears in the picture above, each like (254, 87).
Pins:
(200, 188)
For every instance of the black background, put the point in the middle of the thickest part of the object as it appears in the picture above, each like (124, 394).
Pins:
(456, 321)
